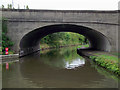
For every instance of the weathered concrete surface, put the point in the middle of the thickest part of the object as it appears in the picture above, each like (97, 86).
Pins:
(9, 58)
(88, 53)
(21, 22)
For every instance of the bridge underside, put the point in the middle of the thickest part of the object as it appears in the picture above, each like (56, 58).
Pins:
(31, 42)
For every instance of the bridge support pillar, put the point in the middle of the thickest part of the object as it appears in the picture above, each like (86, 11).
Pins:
(29, 50)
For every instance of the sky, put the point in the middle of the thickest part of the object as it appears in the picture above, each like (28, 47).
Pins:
(64, 4)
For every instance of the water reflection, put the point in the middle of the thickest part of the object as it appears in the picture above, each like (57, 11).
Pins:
(60, 68)
(75, 63)
(59, 58)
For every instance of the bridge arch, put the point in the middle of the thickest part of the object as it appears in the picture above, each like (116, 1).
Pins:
(31, 41)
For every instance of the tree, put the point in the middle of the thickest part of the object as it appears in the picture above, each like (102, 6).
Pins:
(63, 38)
(6, 42)
(27, 7)
(2, 6)
(10, 6)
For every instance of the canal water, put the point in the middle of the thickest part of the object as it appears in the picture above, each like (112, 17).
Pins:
(57, 68)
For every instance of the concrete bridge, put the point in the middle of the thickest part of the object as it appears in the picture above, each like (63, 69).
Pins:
(27, 27)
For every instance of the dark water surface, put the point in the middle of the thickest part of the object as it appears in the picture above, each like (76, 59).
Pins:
(58, 68)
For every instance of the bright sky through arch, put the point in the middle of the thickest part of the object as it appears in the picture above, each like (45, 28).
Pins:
(65, 4)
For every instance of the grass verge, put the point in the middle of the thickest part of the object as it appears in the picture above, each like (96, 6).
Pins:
(80, 46)
(111, 63)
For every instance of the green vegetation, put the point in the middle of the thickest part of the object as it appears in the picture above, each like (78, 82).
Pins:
(87, 45)
(0, 50)
(10, 6)
(104, 72)
(6, 42)
(62, 39)
(111, 63)
(117, 54)
(27, 7)
(62, 55)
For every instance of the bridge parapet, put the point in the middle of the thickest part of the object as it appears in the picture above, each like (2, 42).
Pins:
(67, 16)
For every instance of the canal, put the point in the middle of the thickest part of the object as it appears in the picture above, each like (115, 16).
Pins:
(56, 68)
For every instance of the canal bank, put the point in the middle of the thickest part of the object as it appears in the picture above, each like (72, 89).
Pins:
(9, 58)
(45, 47)
(103, 59)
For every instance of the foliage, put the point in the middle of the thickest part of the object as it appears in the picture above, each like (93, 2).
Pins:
(62, 55)
(63, 39)
(117, 54)
(108, 62)
(6, 42)
(27, 7)
(2, 6)
(104, 72)
(10, 6)
(0, 50)
(80, 46)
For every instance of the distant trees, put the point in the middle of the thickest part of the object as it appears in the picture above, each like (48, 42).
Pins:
(63, 38)
(27, 7)
(10, 6)
(2, 6)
